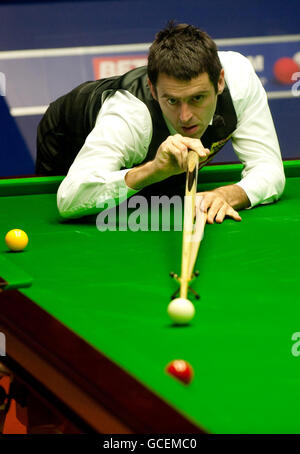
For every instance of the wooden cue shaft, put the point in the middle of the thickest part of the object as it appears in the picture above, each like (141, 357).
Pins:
(201, 219)
(188, 222)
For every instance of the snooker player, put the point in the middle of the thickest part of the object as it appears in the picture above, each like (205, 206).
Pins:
(131, 132)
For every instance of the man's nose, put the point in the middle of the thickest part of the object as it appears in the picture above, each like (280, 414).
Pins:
(185, 113)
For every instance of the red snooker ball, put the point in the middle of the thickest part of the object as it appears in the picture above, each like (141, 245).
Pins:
(181, 370)
(283, 70)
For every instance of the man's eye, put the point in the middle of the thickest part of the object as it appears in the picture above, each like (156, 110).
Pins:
(197, 98)
(172, 101)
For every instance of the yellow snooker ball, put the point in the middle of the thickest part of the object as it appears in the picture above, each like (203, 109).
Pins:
(16, 240)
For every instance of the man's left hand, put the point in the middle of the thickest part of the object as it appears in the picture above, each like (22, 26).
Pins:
(216, 207)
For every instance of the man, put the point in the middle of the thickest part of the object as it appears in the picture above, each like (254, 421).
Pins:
(134, 131)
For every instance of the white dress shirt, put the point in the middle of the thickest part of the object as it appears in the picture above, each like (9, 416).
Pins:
(123, 132)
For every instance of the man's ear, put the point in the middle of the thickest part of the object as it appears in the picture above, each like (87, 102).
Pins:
(221, 82)
(152, 89)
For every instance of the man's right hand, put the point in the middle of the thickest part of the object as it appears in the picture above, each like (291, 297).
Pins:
(171, 157)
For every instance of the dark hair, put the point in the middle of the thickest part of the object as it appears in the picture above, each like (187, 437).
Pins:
(183, 52)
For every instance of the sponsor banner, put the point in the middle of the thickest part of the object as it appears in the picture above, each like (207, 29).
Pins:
(35, 78)
(274, 63)
(31, 79)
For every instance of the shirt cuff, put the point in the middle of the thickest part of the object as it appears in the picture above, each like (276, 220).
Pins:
(256, 194)
(116, 189)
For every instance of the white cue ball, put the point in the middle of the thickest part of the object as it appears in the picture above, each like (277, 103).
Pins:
(181, 311)
(297, 58)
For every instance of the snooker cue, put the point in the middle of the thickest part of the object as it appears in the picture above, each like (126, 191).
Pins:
(188, 221)
(201, 218)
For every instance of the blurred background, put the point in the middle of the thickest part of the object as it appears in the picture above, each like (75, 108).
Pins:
(47, 48)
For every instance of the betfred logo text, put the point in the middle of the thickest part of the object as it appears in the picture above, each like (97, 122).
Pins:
(116, 66)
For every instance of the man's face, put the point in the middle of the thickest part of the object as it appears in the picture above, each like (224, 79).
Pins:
(188, 105)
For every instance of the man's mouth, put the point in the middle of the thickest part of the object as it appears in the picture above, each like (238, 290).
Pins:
(190, 129)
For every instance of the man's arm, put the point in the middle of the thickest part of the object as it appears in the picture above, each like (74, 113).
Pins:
(254, 141)
(234, 195)
(119, 140)
(144, 175)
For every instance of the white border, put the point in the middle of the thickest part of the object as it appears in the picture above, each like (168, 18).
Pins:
(69, 51)
(143, 47)
(25, 111)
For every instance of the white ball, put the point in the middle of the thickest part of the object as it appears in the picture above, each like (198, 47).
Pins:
(181, 311)
(297, 58)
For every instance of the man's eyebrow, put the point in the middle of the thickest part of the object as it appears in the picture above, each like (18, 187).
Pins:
(202, 92)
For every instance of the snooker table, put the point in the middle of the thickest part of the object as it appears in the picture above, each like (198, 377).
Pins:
(84, 315)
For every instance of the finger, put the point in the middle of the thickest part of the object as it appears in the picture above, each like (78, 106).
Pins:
(180, 161)
(200, 202)
(196, 145)
(175, 150)
(191, 143)
(177, 141)
(233, 214)
(203, 201)
(181, 158)
(214, 209)
(203, 153)
(185, 159)
(172, 144)
(175, 146)
(221, 214)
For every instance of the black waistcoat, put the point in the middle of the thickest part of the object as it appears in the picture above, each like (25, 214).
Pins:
(68, 121)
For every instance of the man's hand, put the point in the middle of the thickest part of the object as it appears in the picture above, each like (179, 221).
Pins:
(171, 157)
(221, 202)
